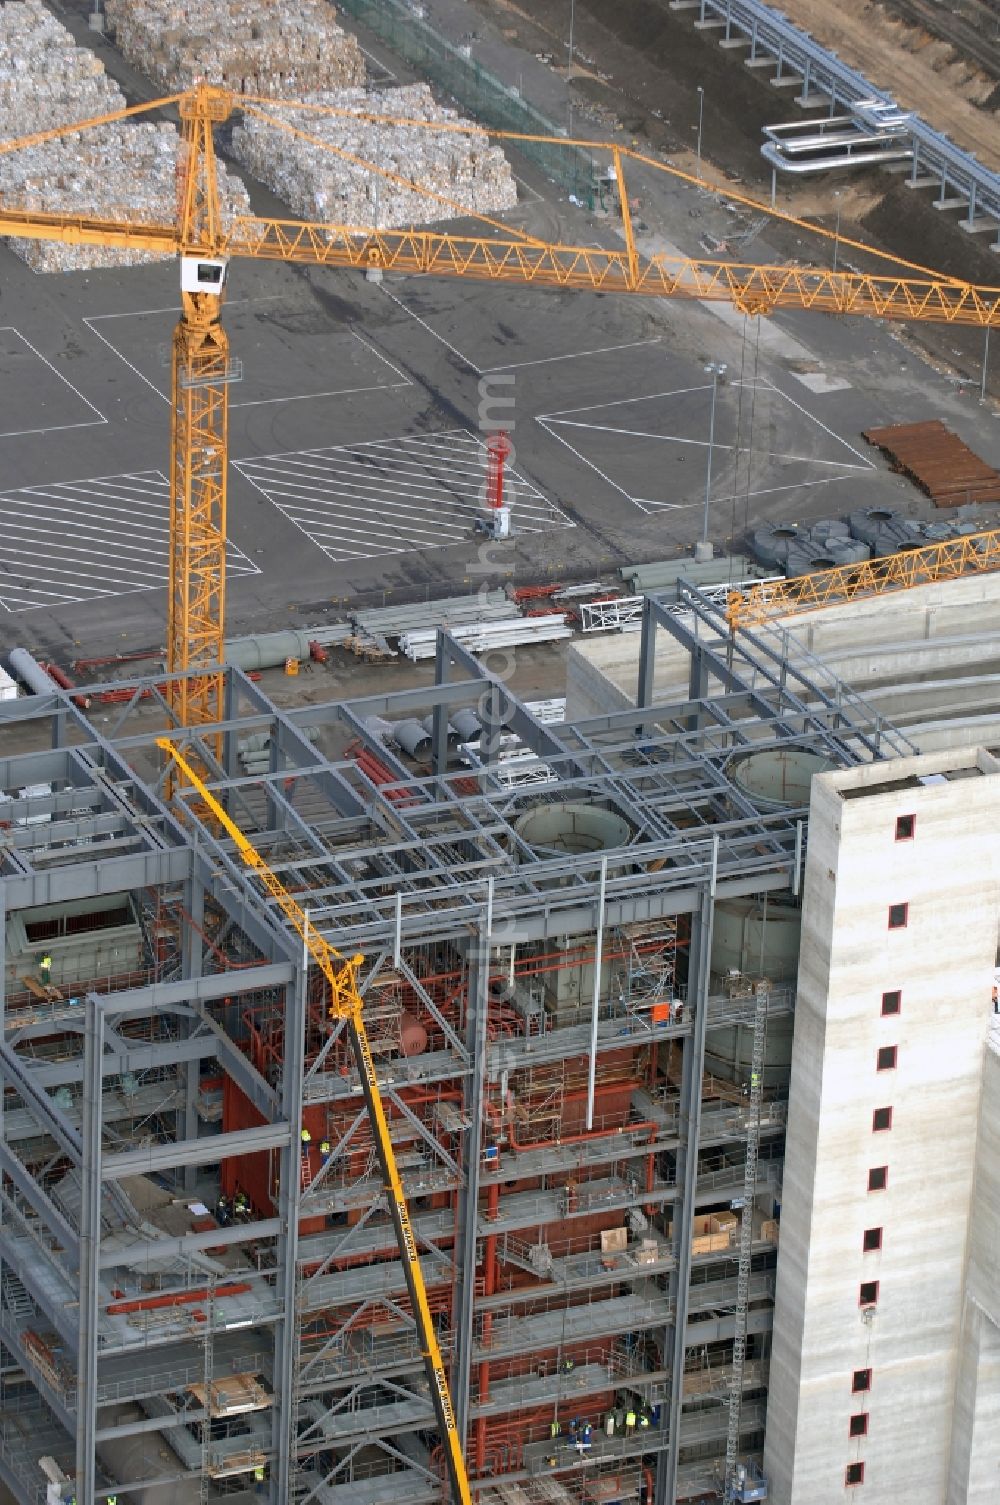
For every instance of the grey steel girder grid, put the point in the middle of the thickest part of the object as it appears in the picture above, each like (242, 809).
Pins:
(388, 877)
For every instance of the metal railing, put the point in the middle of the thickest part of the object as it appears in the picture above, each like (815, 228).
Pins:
(798, 54)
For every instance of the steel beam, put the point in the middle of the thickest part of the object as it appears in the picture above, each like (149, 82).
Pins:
(240, 1069)
(542, 740)
(143, 1250)
(41, 1202)
(155, 1158)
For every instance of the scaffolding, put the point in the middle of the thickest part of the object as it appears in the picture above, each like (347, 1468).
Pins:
(161, 1226)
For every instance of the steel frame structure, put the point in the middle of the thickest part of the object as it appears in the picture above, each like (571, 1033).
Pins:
(446, 867)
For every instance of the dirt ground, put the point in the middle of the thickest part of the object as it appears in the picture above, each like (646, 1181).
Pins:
(641, 63)
(921, 73)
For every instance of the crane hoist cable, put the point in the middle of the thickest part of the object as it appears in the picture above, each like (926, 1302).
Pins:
(347, 1003)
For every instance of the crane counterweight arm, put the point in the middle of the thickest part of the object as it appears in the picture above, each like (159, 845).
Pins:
(346, 1002)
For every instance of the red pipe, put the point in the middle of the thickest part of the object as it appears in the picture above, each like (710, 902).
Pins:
(64, 682)
(648, 1476)
(176, 1298)
(489, 1288)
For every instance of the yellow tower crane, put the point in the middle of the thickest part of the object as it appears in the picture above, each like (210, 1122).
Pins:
(205, 241)
(346, 1003)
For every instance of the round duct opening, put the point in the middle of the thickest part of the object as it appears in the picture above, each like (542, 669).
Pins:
(774, 778)
(570, 830)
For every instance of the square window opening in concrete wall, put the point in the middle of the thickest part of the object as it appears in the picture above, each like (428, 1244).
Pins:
(861, 1381)
(887, 1056)
(899, 916)
(892, 1002)
(906, 826)
(855, 1474)
(868, 1293)
(881, 1120)
(872, 1240)
(859, 1424)
(878, 1178)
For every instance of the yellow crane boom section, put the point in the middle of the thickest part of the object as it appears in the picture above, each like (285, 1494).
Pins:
(750, 287)
(977, 553)
(346, 1003)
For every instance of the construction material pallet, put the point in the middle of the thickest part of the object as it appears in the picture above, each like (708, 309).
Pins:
(938, 461)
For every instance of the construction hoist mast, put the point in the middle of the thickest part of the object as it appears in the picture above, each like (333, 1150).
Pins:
(346, 1003)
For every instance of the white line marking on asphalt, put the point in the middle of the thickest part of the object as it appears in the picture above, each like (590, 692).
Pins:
(55, 427)
(552, 422)
(255, 402)
(576, 355)
(72, 541)
(392, 496)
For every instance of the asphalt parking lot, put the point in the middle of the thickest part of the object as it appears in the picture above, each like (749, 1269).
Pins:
(357, 433)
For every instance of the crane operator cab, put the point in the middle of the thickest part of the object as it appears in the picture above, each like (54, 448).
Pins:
(203, 274)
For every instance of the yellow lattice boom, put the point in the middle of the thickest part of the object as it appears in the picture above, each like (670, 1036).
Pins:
(347, 1003)
(202, 368)
(977, 553)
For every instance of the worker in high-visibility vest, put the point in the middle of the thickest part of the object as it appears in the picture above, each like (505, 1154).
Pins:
(629, 1421)
(325, 1150)
(260, 1476)
(306, 1139)
(45, 968)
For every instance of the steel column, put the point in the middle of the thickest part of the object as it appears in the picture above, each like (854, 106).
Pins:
(439, 718)
(477, 1011)
(191, 964)
(699, 975)
(90, 1256)
(285, 1412)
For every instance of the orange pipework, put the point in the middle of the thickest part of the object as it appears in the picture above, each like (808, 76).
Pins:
(489, 1287)
(177, 1298)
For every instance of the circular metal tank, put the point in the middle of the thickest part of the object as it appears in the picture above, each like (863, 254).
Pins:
(776, 777)
(759, 938)
(412, 1035)
(771, 542)
(804, 562)
(559, 830)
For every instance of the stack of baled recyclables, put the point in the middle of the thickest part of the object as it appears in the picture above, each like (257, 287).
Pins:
(127, 170)
(298, 52)
(871, 532)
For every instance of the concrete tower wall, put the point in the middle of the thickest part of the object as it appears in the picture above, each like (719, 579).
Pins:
(975, 1450)
(941, 962)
